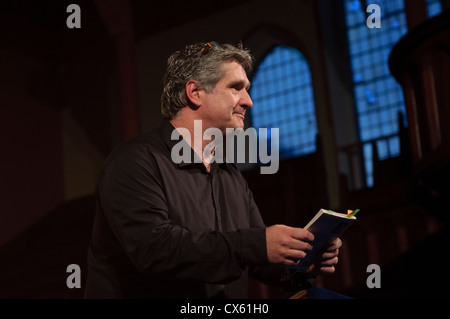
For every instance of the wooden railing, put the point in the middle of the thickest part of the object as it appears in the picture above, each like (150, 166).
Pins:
(385, 168)
(358, 175)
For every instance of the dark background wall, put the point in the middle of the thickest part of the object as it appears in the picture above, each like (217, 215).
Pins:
(68, 96)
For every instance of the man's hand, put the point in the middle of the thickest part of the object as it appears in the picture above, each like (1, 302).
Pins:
(328, 259)
(287, 245)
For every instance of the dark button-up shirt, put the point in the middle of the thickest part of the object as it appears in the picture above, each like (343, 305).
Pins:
(166, 230)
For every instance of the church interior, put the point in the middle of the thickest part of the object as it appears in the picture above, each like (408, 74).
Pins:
(377, 136)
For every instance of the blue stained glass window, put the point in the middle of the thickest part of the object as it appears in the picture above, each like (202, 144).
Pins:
(283, 98)
(379, 98)
(434, 7)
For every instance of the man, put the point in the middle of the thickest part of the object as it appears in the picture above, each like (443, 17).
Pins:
(190, 229)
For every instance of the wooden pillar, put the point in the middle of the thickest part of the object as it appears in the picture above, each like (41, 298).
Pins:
(416, 12)
(445, 4)
(413, 120)
(430, 102)
(117, 17)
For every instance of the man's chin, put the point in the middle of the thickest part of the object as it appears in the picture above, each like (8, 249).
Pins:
(238, 123)
(237, 127)
(235, 124)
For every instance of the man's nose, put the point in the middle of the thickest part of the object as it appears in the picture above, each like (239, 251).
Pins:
(246, 100)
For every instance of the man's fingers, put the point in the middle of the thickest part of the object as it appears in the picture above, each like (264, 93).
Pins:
(330, 254)
(289, 262)
(329, 262)
(296, 254)
(327, 270)
(287, 245)
(302, 234)
(329, 257)
(299, 245)
(333, 245)
(293, 256)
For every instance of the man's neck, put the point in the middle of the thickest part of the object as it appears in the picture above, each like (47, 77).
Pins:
(195, 137)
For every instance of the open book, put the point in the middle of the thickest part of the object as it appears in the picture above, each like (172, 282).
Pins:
(326, 225)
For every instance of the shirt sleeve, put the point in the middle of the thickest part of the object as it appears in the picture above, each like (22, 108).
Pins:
(133, 200)
(268, 273)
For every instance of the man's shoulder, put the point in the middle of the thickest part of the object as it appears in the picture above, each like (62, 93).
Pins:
(144, 142)
(142, 147)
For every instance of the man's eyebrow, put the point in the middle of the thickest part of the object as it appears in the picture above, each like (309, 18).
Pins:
(241, 83)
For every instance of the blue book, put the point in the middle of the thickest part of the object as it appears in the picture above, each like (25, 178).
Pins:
(326, 226)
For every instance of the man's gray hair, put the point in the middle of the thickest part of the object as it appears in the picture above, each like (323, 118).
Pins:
(203, 63)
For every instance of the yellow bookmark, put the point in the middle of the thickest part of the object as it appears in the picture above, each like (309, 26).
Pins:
(351, 213)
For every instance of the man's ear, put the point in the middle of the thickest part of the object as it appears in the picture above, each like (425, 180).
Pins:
(193, 94)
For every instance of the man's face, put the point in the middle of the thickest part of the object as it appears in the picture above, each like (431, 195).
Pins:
(226, 105)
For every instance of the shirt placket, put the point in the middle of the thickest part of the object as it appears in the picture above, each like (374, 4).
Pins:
(214, 179)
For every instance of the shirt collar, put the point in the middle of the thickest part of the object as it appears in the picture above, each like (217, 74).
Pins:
(166, 134)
